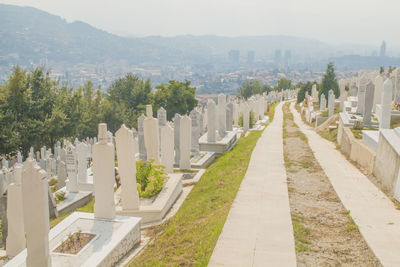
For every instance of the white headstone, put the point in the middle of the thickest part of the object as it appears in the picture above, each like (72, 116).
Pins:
(331, 103)
(150, 126)
(127, 168)
(229, 116)
(369, 101)
(103, 175)
(185, 142)
(177, 126)
(61, 173)
(162, 121)
(36, 215)
(386, 105)
(194, 116)
(16, 235)
(72, 181)
(361, 94)
(222, 115)
(142, 147)
(246, 117)
(378, 91)
(167, 148)
(211, 119)
(322, 106)
(82, 151)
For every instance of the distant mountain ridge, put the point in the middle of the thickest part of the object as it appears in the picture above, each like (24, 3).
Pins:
(29, 35)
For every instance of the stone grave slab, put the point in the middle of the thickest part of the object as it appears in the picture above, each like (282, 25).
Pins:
(219, 146)
(112, 240)
(153, 210)
(73, 200)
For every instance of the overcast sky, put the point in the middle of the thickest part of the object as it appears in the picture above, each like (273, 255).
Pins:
(333, 21)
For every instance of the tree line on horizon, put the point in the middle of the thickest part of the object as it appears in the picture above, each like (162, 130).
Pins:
(36, 110)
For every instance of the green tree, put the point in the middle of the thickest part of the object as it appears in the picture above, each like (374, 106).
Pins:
(127, 97)
(252, 87)
(283, 84)
(303, 88)
(174, 97)
(329, 82)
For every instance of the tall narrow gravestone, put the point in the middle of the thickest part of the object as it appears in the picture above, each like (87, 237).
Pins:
(150, 125)
(162, 121)
(322, 106)
(361, 94)
(16, 234)
(36, 215)
(246, 117)
(185, 141)
(177, 125)
(103, 176)
(127, 168)
(386, 104)
(167, 148)
(194, 116)
(72, 182)
(211, 118)
(142, 147)
(378, 91)
(82, 151)
(222, 115)
(229, 116)
(369, 101)
(331, 103)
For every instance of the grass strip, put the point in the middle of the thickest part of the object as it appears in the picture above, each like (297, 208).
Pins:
(189, 238)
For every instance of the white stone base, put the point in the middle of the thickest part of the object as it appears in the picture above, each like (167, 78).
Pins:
(221, 146)
(202, 161)
(114, 238)
(195, 179)
(154, 211)
(73, 201)
(371, 138)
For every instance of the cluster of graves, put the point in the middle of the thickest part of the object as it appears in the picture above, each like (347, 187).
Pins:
(370, 105)
(88, 168)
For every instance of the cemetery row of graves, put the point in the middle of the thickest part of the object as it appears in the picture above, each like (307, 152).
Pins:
(364, 122)
(135, 177)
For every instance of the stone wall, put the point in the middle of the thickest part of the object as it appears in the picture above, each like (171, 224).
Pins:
(355, 149)
(387, 164)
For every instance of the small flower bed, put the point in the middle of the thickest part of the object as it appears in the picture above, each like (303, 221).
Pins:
(150, 178)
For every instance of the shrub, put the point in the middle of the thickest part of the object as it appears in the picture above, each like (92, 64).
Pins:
(150, 178)
(252, 120)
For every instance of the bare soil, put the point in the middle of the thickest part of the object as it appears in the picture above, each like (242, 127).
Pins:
(325, 233)
(74, 243)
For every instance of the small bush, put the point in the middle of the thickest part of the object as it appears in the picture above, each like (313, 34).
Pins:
(60, 197)
(150, 178)
(52, 181)
(252, 119)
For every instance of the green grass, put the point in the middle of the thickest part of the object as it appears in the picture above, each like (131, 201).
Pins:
(301, 233)
(303, 137)
(188, 238)
(357, 133)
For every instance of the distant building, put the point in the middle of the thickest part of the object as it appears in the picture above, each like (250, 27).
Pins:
(286, 58)
(250, 57)
(278, 58)
(383, 49)
(234, 56)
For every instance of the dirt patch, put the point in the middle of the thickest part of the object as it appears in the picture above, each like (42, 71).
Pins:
(74, 243)
(325, 233)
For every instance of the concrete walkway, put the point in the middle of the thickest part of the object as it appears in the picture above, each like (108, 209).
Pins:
(258, 230)
(373, 212)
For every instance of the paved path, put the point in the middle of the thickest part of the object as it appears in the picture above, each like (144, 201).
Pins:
(374, 213)
(258, 230)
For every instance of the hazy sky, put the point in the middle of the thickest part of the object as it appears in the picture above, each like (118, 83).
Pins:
(334, 21)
